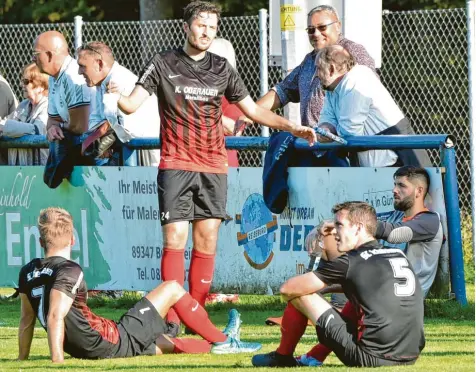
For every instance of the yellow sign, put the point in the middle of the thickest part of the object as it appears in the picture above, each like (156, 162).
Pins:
(288, 17)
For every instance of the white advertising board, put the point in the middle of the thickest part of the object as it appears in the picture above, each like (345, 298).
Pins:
(117, 222)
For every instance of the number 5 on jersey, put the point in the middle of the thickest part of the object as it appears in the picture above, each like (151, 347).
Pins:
(402, 271)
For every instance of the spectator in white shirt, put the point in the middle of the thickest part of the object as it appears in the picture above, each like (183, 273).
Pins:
(357, 104)
(98, 66)
(29, 117)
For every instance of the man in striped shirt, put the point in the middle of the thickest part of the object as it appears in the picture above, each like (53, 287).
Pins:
(192, 181)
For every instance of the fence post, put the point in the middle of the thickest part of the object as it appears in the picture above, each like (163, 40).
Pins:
(294, 44)
(450, 189)
(263, 60)
(263, 64)
(471, 25)
(78, 32)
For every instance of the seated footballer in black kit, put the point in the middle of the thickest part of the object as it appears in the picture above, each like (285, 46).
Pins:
(53, 290)
(379, 282)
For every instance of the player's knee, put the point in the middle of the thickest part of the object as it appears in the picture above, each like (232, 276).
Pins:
(175, 236)
(173, 287)
(205, 243)
(285, 291)
(176, 242)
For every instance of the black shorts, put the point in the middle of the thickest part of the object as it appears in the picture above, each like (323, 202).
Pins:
(341, 338)
(189, 196)
(139, 328)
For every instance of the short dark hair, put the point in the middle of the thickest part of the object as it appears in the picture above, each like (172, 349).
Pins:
(359, 212)
(193, 9)
(414, 174)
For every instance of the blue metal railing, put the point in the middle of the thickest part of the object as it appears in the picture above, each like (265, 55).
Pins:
(443, 142)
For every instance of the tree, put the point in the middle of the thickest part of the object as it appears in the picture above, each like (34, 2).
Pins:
(47, 11)
(398, 5)
(50, 11)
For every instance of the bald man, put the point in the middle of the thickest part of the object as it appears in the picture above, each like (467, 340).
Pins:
(69, 101)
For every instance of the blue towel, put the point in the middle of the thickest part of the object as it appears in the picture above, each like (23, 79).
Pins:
(275, 171)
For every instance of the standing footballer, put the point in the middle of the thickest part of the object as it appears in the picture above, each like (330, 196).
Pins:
(192, 181)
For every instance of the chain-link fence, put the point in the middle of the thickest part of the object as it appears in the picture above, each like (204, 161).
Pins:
(424, 65)
(16, 45)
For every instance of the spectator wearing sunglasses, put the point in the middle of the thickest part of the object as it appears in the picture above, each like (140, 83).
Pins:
(29, 117)
(69, 101)
(302, 85)
(98, 66)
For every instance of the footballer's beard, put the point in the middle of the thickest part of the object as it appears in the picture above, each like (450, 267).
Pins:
(404, 204)
(196, 45)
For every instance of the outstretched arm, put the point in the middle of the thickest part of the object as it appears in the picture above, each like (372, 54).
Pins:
(26, 328)
(271, 120)
(129, 104)
(270, 101)
(60, 304)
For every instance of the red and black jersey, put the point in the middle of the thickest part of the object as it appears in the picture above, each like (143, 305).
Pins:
(190, 94)
(382, 285)
(86, 334)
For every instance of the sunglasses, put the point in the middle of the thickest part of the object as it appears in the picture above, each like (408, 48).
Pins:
(88, 47)
(322, 28)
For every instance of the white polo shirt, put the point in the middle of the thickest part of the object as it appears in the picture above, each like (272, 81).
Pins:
(145, 122)
(361, 106)
(67, 92)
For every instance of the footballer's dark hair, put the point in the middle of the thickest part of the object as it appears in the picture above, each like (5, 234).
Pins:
(193, 10)
(359, 212)
(413, 174)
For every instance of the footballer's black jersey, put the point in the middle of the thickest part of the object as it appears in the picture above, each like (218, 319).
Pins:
(86, 334)
(381, 283)
(190, 95)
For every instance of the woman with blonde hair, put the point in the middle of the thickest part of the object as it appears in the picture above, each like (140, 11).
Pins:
(30, 117)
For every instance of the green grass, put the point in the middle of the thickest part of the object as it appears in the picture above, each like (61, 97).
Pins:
(449, 331)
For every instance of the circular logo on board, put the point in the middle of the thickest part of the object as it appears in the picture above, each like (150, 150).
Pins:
(257, 227)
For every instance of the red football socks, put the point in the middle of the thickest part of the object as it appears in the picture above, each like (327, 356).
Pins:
(320, 351)
(172, 267)
(293, 327)
(200, 275)
(196, 318)
(191, 346)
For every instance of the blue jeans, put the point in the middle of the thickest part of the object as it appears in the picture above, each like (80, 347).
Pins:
(63, 156)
